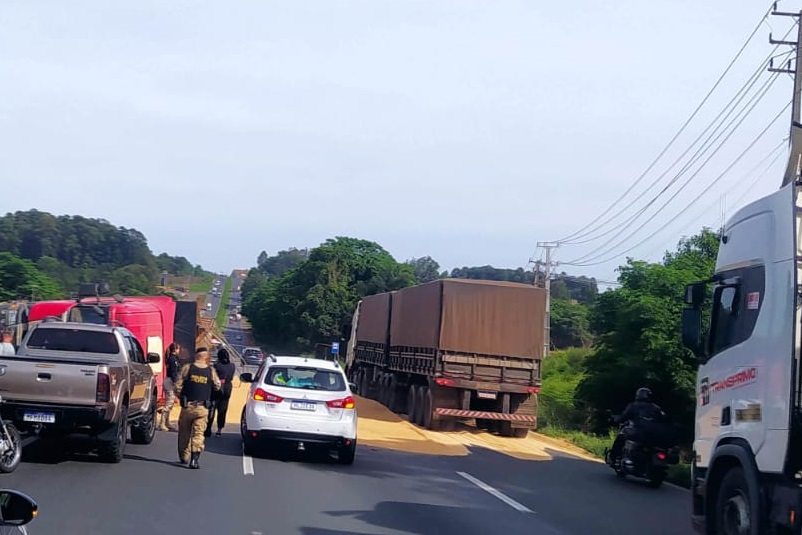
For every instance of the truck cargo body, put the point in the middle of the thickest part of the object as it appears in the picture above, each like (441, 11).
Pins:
(453, 349)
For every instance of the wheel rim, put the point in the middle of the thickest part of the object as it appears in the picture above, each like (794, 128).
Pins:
(735, 517)
(10, 456)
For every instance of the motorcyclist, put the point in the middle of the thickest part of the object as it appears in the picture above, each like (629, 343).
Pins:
(640, 414)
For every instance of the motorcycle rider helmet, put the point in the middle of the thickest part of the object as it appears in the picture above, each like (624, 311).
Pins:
(643, 394)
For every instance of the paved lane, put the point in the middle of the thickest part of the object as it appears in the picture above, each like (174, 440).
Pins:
(215, 300)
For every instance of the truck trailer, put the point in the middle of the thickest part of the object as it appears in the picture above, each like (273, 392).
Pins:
(452, 349)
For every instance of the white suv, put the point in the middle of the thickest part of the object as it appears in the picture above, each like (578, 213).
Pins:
(305, 401)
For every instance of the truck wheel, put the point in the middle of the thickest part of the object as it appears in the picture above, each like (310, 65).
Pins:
(420, 397)
(113, 450)
(11, 459)
(144, 430)
(411, 398)
(735, 514)
(520, 432)
(392, 395)
(426, 417)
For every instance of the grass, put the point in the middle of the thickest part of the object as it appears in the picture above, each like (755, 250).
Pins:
(203, 286)
(679, 474)
(222, 313)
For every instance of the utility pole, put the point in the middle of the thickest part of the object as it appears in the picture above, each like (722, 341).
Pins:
(795, 158)
(547, 265)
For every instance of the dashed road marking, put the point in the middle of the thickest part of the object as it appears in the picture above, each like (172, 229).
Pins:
(497, 493)
(247, 463)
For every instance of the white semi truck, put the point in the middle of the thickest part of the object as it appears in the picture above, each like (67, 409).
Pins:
(747, 458)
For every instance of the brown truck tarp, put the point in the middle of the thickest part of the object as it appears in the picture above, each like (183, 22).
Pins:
(374, 313)
(471, 316)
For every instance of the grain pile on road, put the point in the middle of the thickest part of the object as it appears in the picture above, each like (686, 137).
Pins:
(381, 428)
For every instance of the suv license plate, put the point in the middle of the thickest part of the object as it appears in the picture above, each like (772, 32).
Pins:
(303, 406)
(39, 417)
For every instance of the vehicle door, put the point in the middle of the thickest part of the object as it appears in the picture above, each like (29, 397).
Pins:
(139, 373)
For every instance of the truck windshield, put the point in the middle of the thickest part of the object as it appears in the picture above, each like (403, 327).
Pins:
(74, 340)
(306, 378)
(88, 314)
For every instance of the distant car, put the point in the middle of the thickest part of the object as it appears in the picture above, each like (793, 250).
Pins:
(301, 401)
(253, 356)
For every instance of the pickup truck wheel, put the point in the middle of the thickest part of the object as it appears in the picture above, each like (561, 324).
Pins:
(144, 430)
(113, 450)
(11, 459)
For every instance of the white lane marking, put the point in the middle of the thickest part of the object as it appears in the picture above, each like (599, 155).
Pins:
(498, 494)
(247, 463)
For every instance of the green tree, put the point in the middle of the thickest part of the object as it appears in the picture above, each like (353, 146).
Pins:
(426, 268)
(283, 261)
(570, 324)
(19, 278)
(311, 302)
(639, 327)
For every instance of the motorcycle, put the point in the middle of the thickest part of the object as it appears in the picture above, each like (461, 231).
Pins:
(10, 446)
(649, 462)
(16, 510)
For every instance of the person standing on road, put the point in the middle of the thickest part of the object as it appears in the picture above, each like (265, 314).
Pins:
(194, 388)
(225, 371)
(173, 363)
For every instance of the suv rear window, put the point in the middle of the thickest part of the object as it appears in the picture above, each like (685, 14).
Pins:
(76, 340)
(250, 351)
(308, 378)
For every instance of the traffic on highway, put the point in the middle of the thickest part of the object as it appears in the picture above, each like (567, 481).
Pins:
(340, 455)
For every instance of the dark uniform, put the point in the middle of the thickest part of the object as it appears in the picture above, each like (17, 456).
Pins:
(194, 388)
(640, 413)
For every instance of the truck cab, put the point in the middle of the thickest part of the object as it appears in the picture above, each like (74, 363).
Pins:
(747, 432)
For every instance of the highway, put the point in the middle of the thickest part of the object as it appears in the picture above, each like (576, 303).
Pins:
(215, 300)
(405, 480)
(384, 492)
(236, 332)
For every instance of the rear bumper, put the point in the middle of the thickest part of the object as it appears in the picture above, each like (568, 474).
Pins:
(331, 441)
(67, 418)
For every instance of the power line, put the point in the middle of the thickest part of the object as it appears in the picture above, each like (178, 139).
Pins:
(695, 200)
(728, 110)
(680, 131)
(744, 114)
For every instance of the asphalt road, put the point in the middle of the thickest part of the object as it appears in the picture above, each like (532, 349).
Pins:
(384, 492)
(214, 300)
(235, 332)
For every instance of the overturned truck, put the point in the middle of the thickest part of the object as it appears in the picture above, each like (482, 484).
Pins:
(452, 349)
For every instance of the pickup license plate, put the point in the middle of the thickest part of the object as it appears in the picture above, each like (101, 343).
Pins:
(303, 406)
(39, 417)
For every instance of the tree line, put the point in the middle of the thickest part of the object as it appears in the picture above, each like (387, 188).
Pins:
(606, 344)
(43, 256)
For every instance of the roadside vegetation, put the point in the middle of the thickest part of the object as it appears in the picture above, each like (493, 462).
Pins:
(43, 256)
(223, 311)
(202, 285)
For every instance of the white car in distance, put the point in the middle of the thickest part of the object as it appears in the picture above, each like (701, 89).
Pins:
(305, 402)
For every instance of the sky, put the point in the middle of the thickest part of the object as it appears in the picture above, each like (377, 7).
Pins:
(464, 130)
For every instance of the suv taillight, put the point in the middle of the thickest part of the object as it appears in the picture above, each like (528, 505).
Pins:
(103, 392)
(264, 395)
(344, 403)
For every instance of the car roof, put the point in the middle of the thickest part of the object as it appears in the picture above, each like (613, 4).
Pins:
(306, 361)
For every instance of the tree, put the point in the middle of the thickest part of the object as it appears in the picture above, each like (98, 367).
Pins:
(639, 328)
(19, 279)
(73, 249)
(283, 261)
(426, 269)
(570, 324)
(311, 302)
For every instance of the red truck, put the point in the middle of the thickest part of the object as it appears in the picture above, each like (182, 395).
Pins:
(452, 349)
(155, 321)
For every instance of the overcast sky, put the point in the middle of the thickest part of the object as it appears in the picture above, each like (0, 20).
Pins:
(465, 130)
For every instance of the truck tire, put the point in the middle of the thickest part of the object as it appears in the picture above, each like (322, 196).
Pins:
(426, 417)
(112, 451)
(420, 397)
(144, 430)
(411, 404)
(734, 512)
(392, 396)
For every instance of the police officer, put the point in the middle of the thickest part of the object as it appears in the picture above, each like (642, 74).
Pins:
(194, 389)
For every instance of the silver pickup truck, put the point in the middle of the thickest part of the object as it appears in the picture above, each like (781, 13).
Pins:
(82, 378)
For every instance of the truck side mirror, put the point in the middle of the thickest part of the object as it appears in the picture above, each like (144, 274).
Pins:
(692, 332)
(246, 377)
(154, 358)
(16, 508)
